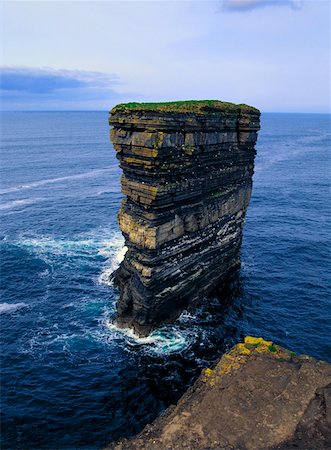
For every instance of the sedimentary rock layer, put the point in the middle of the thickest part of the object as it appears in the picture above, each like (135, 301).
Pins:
(187, 178)
(259, 396)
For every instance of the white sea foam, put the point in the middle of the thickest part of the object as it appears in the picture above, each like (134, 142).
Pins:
(100, 242)
(19, 203)
(105, 276)
(168, 339)
(186, 317)
(35, 184)
(104, 191)
(115, 252)
(44, 274)
(93, 243)
(7, 308)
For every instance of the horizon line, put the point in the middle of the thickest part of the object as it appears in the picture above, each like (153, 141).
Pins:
(108, 111)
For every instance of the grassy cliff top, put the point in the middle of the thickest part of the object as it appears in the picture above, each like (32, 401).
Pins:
(185, 106)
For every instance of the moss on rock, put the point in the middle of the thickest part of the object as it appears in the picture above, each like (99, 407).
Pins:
(185, 106)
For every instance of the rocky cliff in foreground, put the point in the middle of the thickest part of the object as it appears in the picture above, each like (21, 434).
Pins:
(258, 397)
(187, 178)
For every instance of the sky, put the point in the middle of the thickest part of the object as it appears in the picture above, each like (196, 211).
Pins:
(91, 55)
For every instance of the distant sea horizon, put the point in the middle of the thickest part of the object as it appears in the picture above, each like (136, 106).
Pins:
(106, 110)
(70, 378)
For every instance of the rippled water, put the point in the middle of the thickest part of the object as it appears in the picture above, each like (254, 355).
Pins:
(72, 380)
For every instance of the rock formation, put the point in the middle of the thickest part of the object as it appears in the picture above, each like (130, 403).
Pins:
(258, 397)
(187, 178)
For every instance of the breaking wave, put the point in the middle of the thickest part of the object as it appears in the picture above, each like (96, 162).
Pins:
(104, 244)
(168, 339)
(114, 260)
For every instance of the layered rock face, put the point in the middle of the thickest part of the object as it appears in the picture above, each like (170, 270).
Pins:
(187, 178)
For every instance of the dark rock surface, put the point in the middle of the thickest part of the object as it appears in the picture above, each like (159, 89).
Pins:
(187, 177)
(258, 397)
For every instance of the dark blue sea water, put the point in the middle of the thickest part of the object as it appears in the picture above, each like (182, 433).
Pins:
(72, 381)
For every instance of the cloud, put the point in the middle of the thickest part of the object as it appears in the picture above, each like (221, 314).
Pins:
(249, 5)
(48, 80)
(37, 81)
(47, 88)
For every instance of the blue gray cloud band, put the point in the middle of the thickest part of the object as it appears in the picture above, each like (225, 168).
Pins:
(249, 5)
(24, 87)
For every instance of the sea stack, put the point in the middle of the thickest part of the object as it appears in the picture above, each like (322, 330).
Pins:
(187, 177)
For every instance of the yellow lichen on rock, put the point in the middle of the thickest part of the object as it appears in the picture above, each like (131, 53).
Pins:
(233, 360)
(260, 345)
(262, 348)
(208, 372)
(256, 340)
(243, 349)
(209, 376)
(237, 357)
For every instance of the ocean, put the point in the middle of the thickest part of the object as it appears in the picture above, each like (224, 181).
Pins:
(71, 380)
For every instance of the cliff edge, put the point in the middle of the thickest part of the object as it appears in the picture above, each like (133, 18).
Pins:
(259, 396)
(187, 177)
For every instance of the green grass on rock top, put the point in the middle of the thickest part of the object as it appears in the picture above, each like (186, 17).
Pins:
(185, 106)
